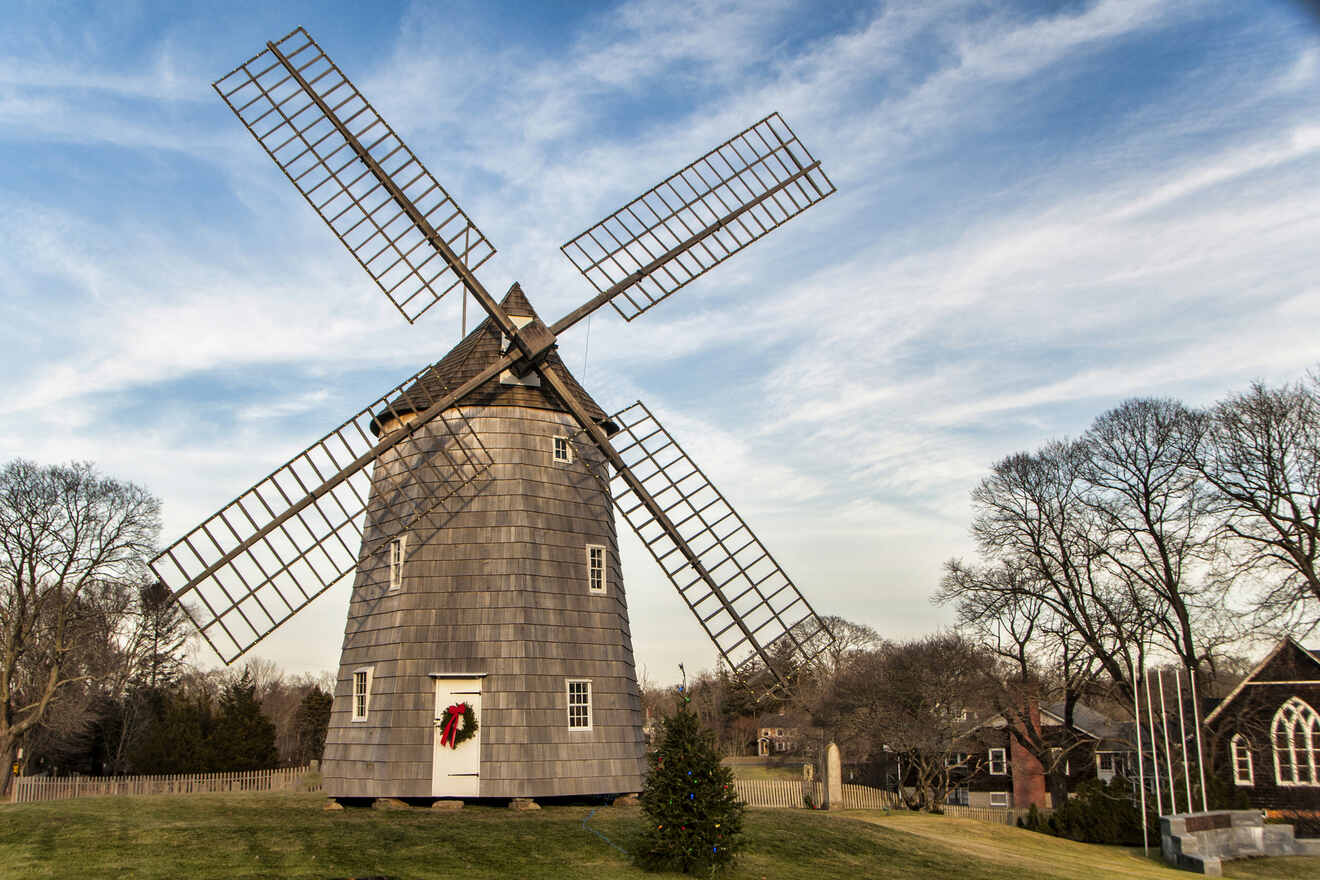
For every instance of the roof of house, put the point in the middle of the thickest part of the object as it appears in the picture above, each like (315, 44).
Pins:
(1280, 664)
(478, 350)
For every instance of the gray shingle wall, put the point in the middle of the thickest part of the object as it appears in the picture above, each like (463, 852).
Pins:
(495, 585)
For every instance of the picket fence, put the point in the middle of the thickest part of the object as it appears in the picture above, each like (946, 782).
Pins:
(793, 793)
(28, 789)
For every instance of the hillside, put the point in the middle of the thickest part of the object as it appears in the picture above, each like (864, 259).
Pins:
(290, 836)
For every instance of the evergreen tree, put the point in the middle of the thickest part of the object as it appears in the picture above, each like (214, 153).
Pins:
(243, 738)
(310, 724)
(175, 734)
(694, 817)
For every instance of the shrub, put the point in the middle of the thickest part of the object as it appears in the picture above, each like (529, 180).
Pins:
(1034, 821)
(1098, 813)
(1305, 823)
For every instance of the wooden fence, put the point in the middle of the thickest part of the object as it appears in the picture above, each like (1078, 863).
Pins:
(794, 793)
(53, 788)
(1000, 815)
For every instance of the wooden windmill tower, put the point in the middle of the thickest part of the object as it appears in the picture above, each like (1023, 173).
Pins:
(472, 504)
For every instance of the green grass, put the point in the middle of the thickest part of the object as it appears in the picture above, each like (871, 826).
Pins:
(291, 836)
(760, 771)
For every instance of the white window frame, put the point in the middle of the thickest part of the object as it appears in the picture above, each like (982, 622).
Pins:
(361, 698)
(595, 585)
(586, 691)
(398, 556)
(1243, 771)
(1003, 797)
(1002, 762)
(1296, 733)
(558, 443)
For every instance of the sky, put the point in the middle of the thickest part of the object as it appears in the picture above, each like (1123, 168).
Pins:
(1043, 209)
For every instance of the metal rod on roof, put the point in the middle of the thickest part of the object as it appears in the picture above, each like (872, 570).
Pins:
(1182, 738)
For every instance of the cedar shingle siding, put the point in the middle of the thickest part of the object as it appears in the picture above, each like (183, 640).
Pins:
(495, 582)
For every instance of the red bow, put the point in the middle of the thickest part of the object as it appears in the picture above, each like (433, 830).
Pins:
(456, 712)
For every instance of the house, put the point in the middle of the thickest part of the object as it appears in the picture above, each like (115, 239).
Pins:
(991, 768)
(779, 734)
(1264, 736)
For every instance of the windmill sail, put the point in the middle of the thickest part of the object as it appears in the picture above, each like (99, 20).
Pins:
(698, 217)
(742, 598)
(268, 553)
(369, 188)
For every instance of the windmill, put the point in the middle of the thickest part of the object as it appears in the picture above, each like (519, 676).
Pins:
(487, 650)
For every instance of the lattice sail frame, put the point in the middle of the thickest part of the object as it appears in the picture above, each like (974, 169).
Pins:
(243, 593)
(778, 619)
(749, 185)
(299, 136)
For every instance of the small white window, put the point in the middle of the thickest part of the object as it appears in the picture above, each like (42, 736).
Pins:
(361, 693)
(999, 798)
(398, 553)
(1243, 772)
(998, 763)
(563, 450)
(579, 705)
(595, 568)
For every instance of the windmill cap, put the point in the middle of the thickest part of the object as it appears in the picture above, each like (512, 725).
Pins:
(478, 350)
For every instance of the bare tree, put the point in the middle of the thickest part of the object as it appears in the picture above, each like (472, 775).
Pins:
(1032, 515)
(913, 699)
(1041, 658)
(71, 540)
(1261, 455)
(1149, 500)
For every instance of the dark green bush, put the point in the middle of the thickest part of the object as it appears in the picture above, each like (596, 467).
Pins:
(1098, 813)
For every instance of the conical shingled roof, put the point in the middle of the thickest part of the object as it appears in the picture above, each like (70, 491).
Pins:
(478, 350)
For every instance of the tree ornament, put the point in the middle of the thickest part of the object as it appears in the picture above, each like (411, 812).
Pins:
(458, 724)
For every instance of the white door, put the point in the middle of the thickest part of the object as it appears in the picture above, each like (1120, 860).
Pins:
(454, 771)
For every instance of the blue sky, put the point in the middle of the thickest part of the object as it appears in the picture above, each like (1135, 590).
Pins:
(1043, 209)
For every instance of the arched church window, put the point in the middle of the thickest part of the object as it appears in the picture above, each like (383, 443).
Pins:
(1243, 773)
(1296, 735)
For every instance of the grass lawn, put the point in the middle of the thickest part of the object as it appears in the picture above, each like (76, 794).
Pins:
(760, 771)
(290, 836)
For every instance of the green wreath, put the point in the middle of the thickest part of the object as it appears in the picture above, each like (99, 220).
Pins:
(458, 724)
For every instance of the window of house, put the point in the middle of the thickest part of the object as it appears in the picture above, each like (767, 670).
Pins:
(398, 552)
(779, 731)
(1243, 772)
(361, 693)
(955, 759)
(1296, 737)
(563, 451)
(595, 568)
(999, 798)
(579, 705)
(998, 762)
(1106, 760)
(959, 796)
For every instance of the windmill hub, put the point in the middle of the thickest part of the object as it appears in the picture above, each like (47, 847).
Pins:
(472, 505)
(534, 340)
